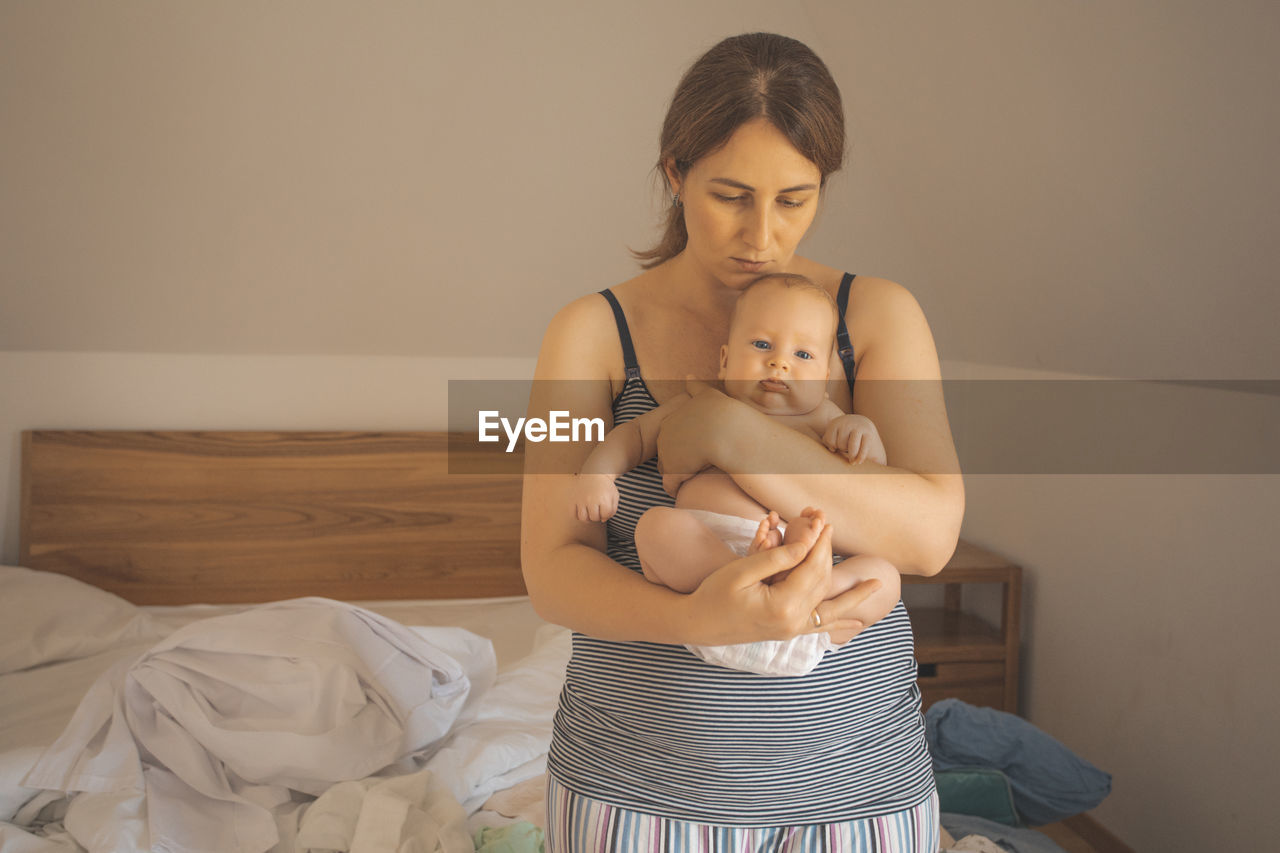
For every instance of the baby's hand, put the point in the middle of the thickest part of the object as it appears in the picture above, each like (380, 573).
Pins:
(595, 497)
(857, 438)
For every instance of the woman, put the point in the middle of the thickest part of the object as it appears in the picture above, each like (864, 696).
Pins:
(653, 746)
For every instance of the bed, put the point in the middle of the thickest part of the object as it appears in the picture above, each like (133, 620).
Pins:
(144, 553)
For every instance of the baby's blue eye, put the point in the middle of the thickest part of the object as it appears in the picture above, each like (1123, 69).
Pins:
(761, 344)
(804, 355)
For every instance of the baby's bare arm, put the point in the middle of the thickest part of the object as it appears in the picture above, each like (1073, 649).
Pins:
(632, 443)
(595, 494)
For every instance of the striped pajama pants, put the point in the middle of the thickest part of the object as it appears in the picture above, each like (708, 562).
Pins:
(577, 824)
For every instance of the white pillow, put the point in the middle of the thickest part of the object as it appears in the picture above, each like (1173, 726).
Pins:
(47, 617)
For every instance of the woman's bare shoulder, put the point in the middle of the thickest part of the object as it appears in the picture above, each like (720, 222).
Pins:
(637, 292)
(592, 313)
(581, 342)
(890, 333)
(581, 314)
(642, 298)
(881, 297)
(820, 274)
(872, 300)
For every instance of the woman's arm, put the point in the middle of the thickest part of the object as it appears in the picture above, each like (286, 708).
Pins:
(570, 580)
(908, 513)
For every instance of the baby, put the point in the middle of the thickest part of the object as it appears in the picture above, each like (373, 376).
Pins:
(777, 360)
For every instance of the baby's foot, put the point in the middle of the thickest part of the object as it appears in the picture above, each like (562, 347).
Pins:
(768, 534)
(806, 528)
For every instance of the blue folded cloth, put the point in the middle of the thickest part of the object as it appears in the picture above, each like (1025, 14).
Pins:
(1049, 781)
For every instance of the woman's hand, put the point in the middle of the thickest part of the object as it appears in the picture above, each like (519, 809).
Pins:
(736, 605)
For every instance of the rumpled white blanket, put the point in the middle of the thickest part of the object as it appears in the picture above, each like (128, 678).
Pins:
(405, 814)
(226, 729)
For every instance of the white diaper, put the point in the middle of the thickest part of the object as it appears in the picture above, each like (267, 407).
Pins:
(733, 530)
(797, 656)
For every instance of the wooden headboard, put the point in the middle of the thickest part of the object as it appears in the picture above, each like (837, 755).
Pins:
(181, 517)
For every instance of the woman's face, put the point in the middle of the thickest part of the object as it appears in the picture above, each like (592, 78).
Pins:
(748, 204)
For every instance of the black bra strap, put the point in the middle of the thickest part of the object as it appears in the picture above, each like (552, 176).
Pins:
(624, 335)
(842, 332)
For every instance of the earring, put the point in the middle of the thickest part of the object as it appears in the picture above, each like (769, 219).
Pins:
(675, 199)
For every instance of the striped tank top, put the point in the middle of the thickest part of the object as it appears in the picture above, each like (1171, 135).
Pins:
(652, 728)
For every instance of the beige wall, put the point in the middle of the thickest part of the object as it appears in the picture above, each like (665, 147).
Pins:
(1150, 642)
(1080, 187)
(329, 177)
(305, 215)
(1148, 635)
(1083, 187)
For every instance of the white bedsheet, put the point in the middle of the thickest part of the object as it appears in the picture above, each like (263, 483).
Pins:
(469, 748)
(223, 721)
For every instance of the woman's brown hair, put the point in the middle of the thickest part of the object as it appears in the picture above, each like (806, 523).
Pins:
(742, 78)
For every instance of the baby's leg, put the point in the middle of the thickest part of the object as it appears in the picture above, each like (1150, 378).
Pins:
(850, 572)
(677, 550)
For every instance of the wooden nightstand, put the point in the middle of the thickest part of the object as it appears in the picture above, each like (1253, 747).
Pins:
(962, 656)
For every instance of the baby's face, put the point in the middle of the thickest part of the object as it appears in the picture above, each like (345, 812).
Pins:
(779, 351)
